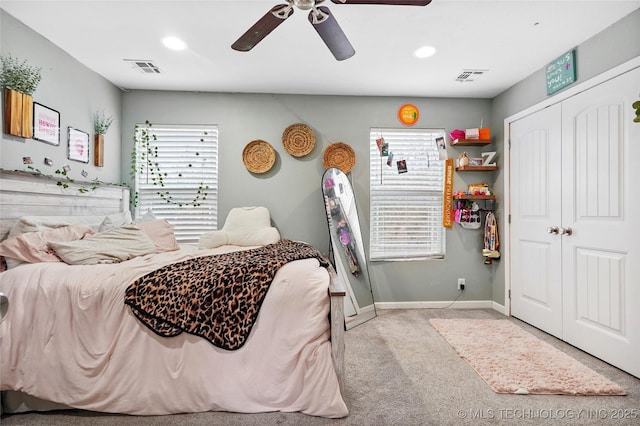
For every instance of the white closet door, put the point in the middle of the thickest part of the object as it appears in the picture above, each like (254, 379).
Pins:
(601, 204)
(536, 283)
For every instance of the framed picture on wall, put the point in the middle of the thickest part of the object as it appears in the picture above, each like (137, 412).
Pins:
(78, 145)
(46, 124)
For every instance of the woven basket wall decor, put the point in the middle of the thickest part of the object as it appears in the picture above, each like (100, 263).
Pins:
(339, 155)
(258, 156)
(298, 139)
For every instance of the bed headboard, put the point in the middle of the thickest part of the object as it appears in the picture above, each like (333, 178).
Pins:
(29, 194)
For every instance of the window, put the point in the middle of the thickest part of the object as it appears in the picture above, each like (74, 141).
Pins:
(406, 204)
(176, 176)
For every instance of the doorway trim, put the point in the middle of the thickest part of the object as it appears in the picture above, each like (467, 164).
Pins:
(506, 210)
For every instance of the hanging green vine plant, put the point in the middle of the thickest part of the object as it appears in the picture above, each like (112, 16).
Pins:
(65, 181)
(144, 161)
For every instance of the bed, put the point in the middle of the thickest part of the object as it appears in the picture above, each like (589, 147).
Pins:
(69, 339)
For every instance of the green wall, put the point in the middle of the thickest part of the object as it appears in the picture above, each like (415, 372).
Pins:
(291, 190)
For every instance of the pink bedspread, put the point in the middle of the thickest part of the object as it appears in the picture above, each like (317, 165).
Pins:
(69, 338)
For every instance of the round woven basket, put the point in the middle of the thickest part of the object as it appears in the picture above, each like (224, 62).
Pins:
(258, 156)
(298, 139)
(339, 155)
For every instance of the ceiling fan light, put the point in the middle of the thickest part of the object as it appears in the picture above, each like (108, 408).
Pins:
(174, 43)
(304, 4)
(425, 52)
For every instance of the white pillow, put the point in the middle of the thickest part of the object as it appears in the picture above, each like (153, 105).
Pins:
(115, 221)
(244, 226)
(147, 216)
(213, 239)
(45, 223)
(247, 219)
(260, 237)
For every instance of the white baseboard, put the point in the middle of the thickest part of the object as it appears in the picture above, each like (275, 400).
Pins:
(500, 308)
(464, 304)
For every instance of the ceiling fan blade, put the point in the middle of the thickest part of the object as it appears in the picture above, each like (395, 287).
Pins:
(263, 27)
(331, 33)
(388, 2)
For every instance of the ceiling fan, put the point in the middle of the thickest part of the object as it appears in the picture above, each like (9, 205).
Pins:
(321, 19)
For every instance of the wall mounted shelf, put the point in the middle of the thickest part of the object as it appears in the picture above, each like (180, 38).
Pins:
(476, 168)
(474, 197)
(471, 142)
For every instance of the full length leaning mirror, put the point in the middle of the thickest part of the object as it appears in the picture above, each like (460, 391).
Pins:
(347, 249)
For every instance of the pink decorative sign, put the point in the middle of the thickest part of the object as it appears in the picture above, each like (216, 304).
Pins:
(78, 145)
(46, 124)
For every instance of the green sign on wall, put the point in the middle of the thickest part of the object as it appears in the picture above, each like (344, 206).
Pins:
(561, 72)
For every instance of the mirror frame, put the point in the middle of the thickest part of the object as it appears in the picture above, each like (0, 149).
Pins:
(346, 248)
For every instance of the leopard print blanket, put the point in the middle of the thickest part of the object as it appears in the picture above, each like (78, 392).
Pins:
(216, 297)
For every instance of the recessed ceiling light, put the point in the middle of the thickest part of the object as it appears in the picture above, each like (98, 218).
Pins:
(174, 43)
(425, 52)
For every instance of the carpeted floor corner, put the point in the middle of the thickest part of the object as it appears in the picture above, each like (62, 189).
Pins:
(400, 371)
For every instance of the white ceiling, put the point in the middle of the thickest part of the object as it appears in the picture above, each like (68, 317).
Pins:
(510, 39)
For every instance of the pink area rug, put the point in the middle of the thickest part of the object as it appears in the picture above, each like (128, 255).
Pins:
(512, 360)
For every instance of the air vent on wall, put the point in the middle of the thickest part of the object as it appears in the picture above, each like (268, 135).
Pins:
(144, 66)
(469, 75)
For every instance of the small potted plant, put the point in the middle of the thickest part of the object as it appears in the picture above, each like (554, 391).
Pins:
(19, 80)
(101, 124)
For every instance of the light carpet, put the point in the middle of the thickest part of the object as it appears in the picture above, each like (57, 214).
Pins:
(512, 360)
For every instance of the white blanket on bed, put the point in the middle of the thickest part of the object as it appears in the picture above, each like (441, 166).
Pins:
(69, 338)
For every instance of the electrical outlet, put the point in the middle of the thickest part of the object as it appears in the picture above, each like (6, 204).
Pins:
(461, 283)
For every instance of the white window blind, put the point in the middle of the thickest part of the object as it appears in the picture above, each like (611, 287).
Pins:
(186, 158)
(406, 208)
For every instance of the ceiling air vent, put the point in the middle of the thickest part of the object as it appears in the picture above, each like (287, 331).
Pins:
(144, 66)
(467, 76)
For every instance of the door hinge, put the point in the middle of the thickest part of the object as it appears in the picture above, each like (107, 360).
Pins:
(509, 218)
(509, 294)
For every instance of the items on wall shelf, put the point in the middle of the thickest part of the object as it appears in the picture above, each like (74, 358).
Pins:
(477, 192)
(467, 210)
(467, 214)
(471, 137)
(491, 241)
(483, 163)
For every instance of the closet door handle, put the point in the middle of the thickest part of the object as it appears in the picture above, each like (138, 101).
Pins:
(553, 230)
(566, 231)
